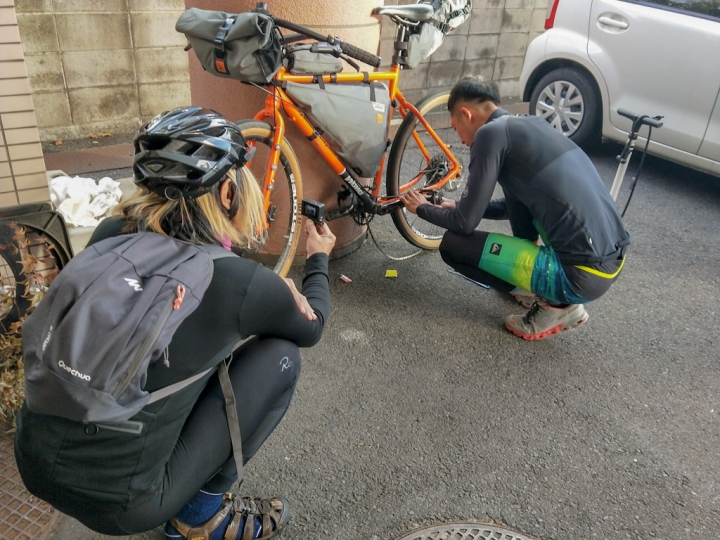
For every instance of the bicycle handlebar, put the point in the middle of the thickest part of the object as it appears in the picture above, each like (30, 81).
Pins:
(640, 120)
(351, 50)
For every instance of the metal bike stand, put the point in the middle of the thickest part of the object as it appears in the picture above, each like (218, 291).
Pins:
(638, 121)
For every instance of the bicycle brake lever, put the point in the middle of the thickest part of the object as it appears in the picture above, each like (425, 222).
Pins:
(323, 47)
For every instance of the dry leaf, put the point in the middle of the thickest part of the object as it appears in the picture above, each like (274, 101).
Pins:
(106, 134)
(93, 136)
(58, 142)
(28, 263)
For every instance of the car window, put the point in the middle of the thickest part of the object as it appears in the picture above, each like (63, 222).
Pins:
(707, 9)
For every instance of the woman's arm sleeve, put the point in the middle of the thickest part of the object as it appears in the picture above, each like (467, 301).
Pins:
(269, 308)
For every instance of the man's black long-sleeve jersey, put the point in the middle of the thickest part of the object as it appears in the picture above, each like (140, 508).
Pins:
(547, 174)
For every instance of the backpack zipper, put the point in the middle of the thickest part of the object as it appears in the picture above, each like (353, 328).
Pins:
(145, 348)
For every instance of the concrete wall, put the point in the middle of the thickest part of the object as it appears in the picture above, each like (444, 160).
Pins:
(110, 65)
(492, 43)
(22, 169)
(102, 65)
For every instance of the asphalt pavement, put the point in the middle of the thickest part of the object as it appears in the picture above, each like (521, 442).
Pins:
(418, 407)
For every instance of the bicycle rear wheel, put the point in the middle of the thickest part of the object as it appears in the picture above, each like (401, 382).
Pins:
(407, 160)
(283, 233)
(16, 285)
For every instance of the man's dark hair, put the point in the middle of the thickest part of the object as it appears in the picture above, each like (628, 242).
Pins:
(473, 90)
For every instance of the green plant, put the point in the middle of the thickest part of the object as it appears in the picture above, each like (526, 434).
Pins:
(34, 269)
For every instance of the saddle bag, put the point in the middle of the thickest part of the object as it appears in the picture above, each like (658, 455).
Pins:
(429, 35)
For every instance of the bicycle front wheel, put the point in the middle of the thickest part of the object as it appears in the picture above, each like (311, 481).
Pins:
(414, 152)
(284, 219)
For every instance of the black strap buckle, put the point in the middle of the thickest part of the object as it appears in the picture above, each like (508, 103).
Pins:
(219, 42)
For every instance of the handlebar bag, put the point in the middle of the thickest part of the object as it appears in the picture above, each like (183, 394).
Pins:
(242, 46)
(304, 62)
(353, 117)
(429, 35)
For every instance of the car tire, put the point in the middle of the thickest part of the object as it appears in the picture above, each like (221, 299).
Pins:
(548, 100)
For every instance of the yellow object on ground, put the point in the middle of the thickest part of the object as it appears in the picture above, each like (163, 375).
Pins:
(391, 273)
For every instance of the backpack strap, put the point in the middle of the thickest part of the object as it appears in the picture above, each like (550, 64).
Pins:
(176, 387)
(215, 252)
(219, 252)
(231, 410)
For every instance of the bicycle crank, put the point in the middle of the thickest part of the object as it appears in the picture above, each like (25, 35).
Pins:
(344, 207)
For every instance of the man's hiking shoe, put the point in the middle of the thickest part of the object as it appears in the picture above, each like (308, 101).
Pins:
(238, 518)
(544, 320)
(525, 298)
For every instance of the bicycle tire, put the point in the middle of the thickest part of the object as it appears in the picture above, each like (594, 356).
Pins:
(16, 284)
(284, 232)
(406, 161)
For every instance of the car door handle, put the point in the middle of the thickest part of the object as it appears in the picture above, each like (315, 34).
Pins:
(612, 22)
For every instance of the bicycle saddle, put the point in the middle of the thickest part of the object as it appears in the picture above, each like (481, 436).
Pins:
(414, 13)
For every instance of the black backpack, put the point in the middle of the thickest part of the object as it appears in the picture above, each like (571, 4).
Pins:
(108, 315)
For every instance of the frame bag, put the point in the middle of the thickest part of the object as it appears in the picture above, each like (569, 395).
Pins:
(241, 46)
(429, 35)
(354, 117)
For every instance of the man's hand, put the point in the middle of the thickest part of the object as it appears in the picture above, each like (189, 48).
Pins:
(320, 238)
(447, 203)
(413, 199)
(302, 303)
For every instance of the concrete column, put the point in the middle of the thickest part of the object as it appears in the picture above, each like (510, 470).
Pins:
(350, 20)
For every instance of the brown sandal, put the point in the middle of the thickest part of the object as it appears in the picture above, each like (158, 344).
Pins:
(274, 513)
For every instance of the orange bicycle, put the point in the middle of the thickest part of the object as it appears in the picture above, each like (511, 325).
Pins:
(420, 156)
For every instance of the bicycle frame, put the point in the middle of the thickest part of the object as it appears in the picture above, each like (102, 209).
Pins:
(278, 102)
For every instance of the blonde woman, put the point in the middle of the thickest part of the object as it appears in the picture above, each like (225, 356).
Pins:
(189, 166)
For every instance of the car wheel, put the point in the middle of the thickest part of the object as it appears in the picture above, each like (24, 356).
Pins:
(569, 100)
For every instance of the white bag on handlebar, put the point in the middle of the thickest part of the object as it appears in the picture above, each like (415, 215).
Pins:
(429, 35)
(242, 46)
(354, 117)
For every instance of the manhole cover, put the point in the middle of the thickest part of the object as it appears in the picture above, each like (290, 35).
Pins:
(466, 531)
(22, 516)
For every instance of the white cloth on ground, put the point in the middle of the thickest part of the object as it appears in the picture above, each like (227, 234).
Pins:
(83, 202)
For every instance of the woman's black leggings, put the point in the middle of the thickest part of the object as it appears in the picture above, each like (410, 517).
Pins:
(264, 373)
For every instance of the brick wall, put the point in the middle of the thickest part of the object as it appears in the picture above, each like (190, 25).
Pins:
(22, 169)
(492, 43)
(102, 65)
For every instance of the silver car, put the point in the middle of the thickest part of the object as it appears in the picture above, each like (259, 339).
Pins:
(654, 57)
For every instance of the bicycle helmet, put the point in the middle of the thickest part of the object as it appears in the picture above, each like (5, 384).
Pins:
(184, 152)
